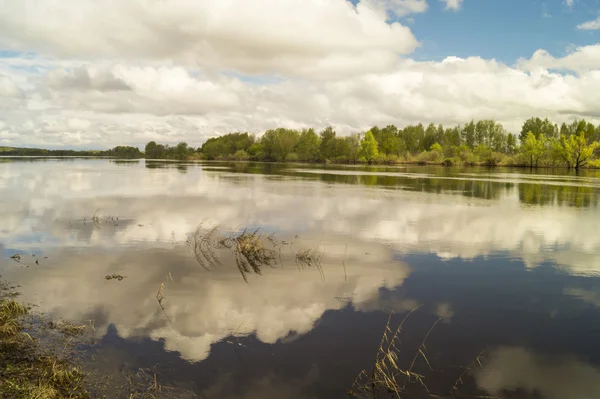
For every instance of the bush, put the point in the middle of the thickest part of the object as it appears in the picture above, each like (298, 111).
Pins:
(292, 157)
(241, 155)
(447, 162)
(493, 159)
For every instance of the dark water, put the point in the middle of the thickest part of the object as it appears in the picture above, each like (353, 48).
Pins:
(508, 260)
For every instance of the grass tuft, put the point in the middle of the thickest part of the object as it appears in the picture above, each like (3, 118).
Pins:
(27, 371)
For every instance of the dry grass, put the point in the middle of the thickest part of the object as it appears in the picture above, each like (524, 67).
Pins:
(388, 377)
(29, 371)
(69, 329)
(310, 258)
(249, 248)
(203, 246)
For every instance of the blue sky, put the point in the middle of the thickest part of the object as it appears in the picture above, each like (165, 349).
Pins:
(90, 74)
(502, 29)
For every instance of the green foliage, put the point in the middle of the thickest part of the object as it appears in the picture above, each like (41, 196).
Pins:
(575, 150)
(538, 127)
(368, 147)
(308, 146)
(533, 148)
(125, 152)
(241, 155)
(226, 146)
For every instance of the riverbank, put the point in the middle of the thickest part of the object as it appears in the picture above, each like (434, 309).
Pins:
(31, 369)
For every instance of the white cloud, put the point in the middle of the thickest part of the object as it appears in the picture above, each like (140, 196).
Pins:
(182, 70)
(552, 377)
(590, 25)
(570, 3)
(453, 4)
(235, 34)
(400, 7)
(8, 88)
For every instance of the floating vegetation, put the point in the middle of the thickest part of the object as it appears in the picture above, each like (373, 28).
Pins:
(97, 219)
(114, 277)
(387, 376)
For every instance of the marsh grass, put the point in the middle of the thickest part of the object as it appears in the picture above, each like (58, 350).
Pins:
(251, 254)
(248, 247)
(28, 370)
(69, 329)
(203, 245)
(387, 376)
(310, 258)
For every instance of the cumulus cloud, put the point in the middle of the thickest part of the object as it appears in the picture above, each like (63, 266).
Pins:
(590, 25)
(170, 205)
(552, 377)
(453, 4)
(8, 88)
(179, 70)
(205, 307)
(236, 34)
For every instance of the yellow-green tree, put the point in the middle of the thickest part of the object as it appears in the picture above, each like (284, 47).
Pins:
(575, 150)
(368, 147)
(534, 148)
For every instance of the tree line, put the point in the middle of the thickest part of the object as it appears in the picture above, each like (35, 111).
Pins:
(485, 142)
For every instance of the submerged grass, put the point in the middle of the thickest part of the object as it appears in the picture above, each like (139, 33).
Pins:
(392, 378)
(29, 371)
(311, 258)
(387, 376)
(249, 248)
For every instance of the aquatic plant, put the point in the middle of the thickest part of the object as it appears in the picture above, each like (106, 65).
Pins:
(387, 376)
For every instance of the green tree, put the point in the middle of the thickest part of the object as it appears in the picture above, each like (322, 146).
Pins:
(150, 150)
(353, 147)
(575, 150)
(368, 147)
(511, 143)
(538, 126)
(468, 134)
(308, 146)
(533, 148)
(327, 146)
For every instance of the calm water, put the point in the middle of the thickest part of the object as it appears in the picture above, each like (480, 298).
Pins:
(508, 260)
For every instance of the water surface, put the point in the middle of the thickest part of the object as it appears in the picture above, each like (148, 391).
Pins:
(507, 259)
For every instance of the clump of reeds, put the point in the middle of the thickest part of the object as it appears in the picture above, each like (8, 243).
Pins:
(387, 375)
(248, 247)
(250, 251)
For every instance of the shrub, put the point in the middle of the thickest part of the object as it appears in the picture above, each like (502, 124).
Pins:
(241, 155)
(292, 157)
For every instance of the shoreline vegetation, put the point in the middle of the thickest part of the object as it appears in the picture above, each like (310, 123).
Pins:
(540, 143)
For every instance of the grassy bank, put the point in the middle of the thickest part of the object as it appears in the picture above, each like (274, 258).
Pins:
(30, 370)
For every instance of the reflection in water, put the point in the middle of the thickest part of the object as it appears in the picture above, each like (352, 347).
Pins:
(514, 369)
(508, 261)
(205, 307)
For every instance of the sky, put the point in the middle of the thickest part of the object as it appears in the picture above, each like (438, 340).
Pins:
(96, 74)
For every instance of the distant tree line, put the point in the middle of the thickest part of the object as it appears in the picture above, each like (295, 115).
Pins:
(485, 142)
(159, 151)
